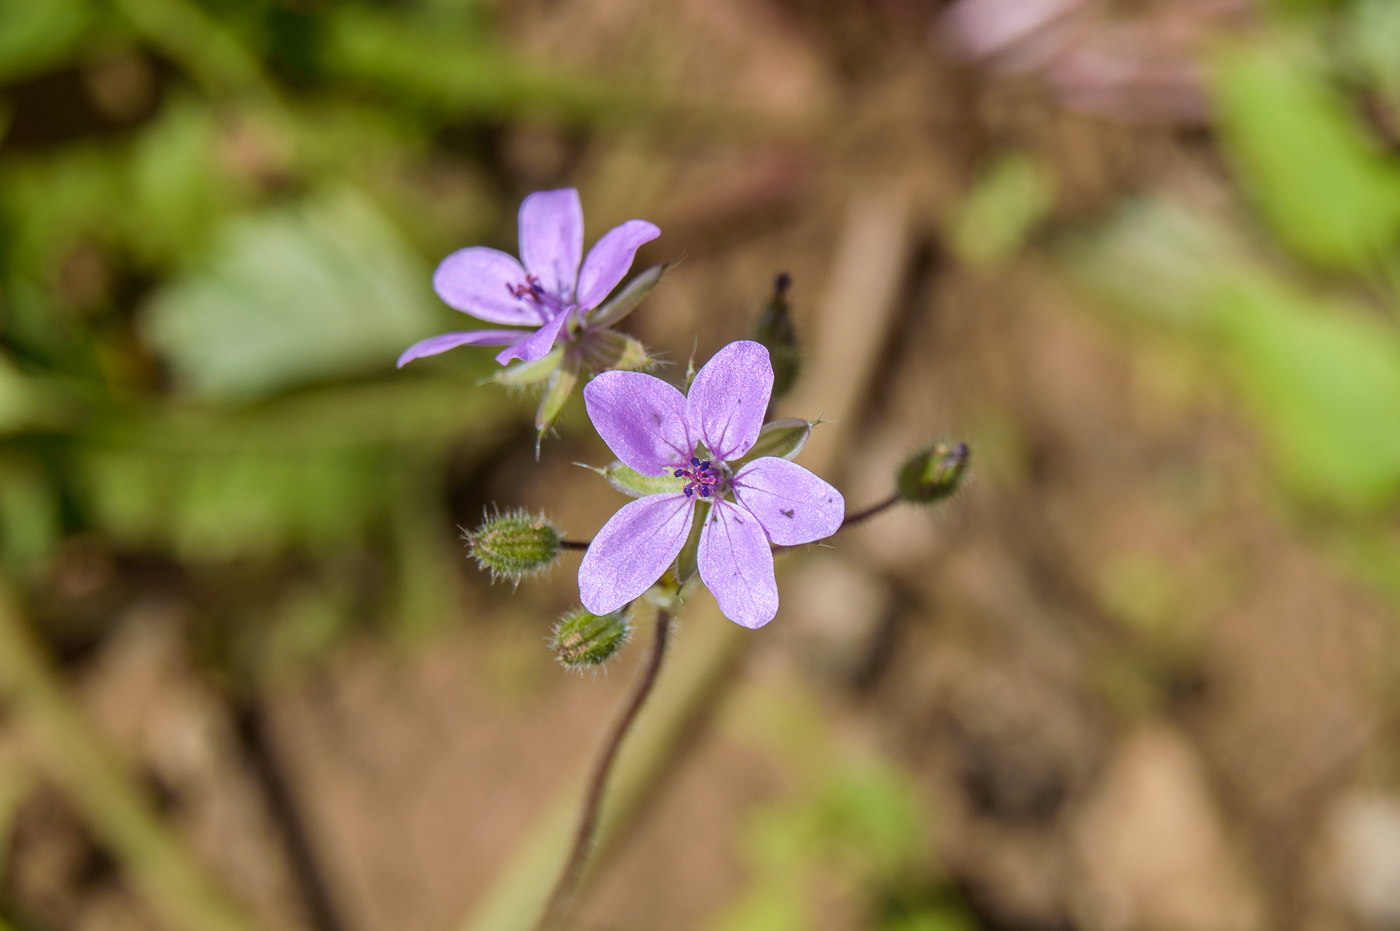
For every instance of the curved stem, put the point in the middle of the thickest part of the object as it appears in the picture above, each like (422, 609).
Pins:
(562, 898)
(860, 517)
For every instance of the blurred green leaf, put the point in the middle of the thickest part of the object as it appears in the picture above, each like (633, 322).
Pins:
(1324, 381)
(1001, 210)
(1372, 33)
(1315, 173)
(38, 34)
(290, 297)
(30, 522)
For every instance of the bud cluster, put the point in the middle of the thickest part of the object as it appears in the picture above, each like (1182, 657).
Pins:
(584, 640)
(515, 544)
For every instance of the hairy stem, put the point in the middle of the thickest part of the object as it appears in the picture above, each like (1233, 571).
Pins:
(860, 517)
(569, 880)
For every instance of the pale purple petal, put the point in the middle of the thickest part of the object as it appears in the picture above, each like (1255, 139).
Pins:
(792, 505)
(729, 398)
(633, 549)
(539, 344)
(478, 281)
(641, 418)
(551, 239)
(736, 565)
(436, 344)
(609, 260)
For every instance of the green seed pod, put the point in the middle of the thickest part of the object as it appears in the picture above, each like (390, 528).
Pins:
(933, 474)
(583, 639)
(775, 331)
(515, 544)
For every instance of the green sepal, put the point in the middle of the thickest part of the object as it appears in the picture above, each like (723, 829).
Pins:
(687, 563)
(636, 485)
(522, 374)
(933, 474)
(783, 438)
(607, 349)
(583, 639)
(561, 384)
(626, 300)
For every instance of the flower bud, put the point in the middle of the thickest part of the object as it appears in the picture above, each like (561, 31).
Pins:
(775, 331)
(515, 544)
(933, 474)
(583, 639)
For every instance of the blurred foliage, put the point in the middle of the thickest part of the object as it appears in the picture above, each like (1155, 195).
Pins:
(1314, 359)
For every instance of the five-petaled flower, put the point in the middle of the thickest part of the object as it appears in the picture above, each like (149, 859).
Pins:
(547, 292)
(655, 430)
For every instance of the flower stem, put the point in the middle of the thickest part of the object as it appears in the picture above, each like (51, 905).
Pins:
(574, 868)
(860, 517)
(574, 544)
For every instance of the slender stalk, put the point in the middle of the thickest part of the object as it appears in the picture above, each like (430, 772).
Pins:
(574, 544)
(562, 898)
(860, 517)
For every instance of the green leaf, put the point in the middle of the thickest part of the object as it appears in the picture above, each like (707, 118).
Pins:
(1324, 382)
(1317, 176)
(636, 485)
(290, 297)
(1002, 209)
(35, 36)
(783, 438)
(626, 300)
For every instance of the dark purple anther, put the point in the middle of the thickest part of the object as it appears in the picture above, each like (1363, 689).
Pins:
(680, 473)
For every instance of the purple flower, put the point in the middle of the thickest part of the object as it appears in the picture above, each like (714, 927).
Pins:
(657, 431)
(544, 293)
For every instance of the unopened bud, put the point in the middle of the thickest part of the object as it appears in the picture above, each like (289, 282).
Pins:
(775, 331)
(515, 544)
(933, 474)
(583, 639)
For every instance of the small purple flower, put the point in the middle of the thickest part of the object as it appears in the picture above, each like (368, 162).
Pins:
(657, 431)
(546, 292)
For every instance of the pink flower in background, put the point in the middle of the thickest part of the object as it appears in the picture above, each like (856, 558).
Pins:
(555, 283)
(655, 430)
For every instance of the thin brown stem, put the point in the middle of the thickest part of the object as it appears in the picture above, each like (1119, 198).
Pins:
(575, 866)
(860, 517)
(574, 544)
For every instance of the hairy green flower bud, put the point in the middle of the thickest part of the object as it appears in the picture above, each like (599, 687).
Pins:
(583, 639)
(933, 474)
(514, 544)
(775, 331)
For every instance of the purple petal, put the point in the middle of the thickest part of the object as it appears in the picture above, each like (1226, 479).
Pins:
(437, 344)
(792, 505)
(478, 281)
(729, 398)
(609, 260)
(539, 344)
(551, 239)
(641, 418)
(633, 550)
(737, 565)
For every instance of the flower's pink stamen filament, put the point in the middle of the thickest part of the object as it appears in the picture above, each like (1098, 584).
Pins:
(547, 305)
(702, 477)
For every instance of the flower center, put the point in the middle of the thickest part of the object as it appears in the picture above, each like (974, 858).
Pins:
(701, 477)
(535, 292)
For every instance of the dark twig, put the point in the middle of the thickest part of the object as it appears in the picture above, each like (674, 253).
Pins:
(562, 898)
(574, 544)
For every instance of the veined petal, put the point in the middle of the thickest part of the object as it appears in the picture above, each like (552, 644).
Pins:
(729, 398)
(633, 550)
(792, 505)
(436, 344)
(551, 239)
(609, 260)
(736, 565)
(641, 418)
(537, 346)
(478, 281)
